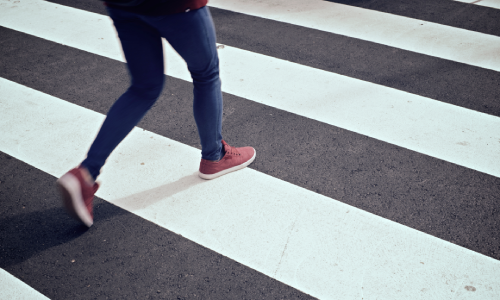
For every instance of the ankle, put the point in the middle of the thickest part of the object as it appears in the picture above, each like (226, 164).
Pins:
(86, 175)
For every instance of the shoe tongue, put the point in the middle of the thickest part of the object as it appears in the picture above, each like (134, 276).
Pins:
(228, 149)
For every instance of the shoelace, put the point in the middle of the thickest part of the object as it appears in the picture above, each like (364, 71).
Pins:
(231, 150)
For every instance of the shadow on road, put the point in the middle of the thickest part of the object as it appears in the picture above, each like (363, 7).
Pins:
(25, 235)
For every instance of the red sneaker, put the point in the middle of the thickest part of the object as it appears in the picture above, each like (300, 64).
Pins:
(234, 159)
(78, 195)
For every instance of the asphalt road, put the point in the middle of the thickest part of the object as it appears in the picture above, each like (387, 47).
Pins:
(124, 256)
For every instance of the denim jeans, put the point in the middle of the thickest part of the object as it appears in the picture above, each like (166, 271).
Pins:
(192, 35)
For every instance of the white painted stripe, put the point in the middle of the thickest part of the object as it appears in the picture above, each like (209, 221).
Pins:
(487, 3)
(14, 289)
(415, 35)
(454, 134)
(313, 243)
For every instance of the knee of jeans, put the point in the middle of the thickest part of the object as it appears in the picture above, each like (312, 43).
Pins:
(207, 74)
(205, 79)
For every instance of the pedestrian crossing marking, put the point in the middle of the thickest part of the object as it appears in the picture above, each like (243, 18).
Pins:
(487, 3)
(13, 288)
(468, 47)
(365, 260)
(461, 136)
(311, 242)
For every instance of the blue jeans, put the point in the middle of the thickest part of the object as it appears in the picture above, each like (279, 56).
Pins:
(192, 35)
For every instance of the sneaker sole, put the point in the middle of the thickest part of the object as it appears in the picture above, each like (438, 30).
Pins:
(70, 190)
(232, 169)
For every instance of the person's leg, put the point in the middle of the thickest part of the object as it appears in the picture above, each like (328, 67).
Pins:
(143, 51)
(192, 35)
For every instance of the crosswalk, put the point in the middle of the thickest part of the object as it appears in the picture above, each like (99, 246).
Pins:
(487, 3)
(401, 32)
(369, 183)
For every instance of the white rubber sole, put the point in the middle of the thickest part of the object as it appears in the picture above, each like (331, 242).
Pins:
(232, 169)
(72, 199)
